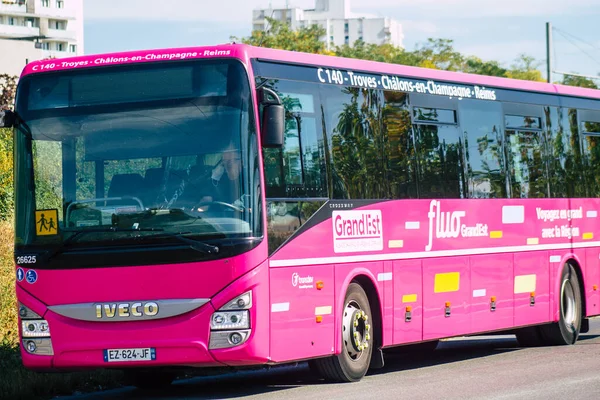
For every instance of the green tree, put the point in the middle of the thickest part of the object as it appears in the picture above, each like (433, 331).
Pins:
(573, 80)
(279, 35)
(525, 67)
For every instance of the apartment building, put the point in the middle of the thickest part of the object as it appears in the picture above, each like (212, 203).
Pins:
(37, 29)
(341, 24)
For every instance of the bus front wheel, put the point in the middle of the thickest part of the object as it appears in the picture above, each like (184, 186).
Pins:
(357, 340)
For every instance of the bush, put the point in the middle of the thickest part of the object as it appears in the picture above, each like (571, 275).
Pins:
(6, 175)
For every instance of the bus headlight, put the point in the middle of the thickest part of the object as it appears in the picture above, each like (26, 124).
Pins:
(230, 320)
(35, 328)
(230, 325)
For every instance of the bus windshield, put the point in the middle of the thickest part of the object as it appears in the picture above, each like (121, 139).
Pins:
(129, 154)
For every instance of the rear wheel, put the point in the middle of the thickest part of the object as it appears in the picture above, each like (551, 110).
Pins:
(357, 341)
(566, 330)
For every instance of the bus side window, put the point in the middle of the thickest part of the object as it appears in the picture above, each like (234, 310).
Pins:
(525, 141)
(401, 166)
(297, 169)
(564, 155)
(440, 149)
(590, 129)
(481, 124)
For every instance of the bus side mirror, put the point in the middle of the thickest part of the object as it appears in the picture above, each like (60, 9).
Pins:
(273, 118)
(273, 125)
(7, 119)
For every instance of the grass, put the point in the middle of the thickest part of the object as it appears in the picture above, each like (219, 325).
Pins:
(16, 382)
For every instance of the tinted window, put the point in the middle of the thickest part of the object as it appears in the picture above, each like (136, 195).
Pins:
(564, 153)
(525, 142)
(481, 124)
(434, 115)
(522, 122)
(439, 153)
(297, 170)
(357, 138)
(591, 148)
(399, 147)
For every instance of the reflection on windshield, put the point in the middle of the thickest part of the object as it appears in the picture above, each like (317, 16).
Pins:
(174, 165)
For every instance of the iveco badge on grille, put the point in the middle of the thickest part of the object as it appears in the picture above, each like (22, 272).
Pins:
(126, 310)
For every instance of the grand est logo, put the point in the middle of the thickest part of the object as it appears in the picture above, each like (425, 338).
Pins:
(357, 230)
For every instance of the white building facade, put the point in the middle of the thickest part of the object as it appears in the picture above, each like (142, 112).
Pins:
(341, 25)
(36, 29)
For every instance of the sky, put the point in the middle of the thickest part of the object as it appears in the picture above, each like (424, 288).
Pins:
(489, 29)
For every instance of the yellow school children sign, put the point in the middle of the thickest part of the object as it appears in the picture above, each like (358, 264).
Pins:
(46, 222)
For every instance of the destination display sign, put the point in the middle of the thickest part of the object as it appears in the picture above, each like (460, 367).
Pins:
(390, 82)
(394, 82)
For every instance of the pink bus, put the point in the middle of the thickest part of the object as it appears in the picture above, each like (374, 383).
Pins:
(234, 206)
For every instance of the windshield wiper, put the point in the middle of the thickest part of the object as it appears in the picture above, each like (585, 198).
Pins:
(81, 232)
(194, 244)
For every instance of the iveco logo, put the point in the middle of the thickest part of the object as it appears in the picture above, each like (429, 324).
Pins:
(126, 310)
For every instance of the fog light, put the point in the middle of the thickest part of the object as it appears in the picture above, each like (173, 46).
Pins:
(241, 303)
(31, 347)
(236, 338)
(23, 311)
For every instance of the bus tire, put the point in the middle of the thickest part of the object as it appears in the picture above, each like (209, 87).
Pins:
(566, 330)
(357, 340)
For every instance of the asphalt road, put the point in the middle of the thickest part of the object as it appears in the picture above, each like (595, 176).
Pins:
(486, 367)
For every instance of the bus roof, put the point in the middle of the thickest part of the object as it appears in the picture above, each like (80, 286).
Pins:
(246, 52)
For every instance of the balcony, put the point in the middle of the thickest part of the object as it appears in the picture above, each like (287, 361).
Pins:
(12, 8)
(61, 34)
(57, 54)
(17, 31)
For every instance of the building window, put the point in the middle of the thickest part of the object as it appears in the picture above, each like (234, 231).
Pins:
(60, 4)
(45, 46)
(11, 20)
(346, 27)
(60, 47)
(73, 48)
(58, 25)
(347, 39)
(45, 3)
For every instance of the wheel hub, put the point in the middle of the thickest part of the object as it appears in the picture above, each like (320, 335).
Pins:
(357, 331)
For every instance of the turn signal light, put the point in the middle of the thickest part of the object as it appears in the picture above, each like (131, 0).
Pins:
(320, 285)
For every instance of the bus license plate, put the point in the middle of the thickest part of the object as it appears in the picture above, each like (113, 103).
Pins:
(124, 355)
